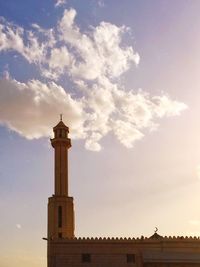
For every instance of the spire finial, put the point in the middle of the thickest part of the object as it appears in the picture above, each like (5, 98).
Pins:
(61, 116)
(156, 230)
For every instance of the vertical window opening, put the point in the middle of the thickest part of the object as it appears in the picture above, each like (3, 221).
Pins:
(130, 258)
(63, 133)
(60, 216)
(86, 257)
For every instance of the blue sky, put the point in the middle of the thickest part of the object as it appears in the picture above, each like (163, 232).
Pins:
(125, 75)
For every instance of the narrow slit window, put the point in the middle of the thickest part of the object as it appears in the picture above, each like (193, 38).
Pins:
(130, 258)
(86, 257)
(60, 216)
(63, 133)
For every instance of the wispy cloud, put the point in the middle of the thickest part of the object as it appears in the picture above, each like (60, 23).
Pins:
(101, 3)
(18, 226)
(26, 43)
(60, 3)
(94, 61)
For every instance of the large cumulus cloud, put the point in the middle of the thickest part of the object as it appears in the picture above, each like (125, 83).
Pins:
(93, 61)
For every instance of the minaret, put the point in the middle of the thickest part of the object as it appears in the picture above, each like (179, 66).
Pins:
(60, 206)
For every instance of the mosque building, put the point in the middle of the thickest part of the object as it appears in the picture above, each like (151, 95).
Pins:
(64, 249)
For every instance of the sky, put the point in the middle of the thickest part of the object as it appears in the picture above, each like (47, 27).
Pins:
(125, 76)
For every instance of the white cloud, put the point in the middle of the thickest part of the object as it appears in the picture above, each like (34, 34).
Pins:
(97, 50)
(10, 37)
(18, 226)
(126, 133)
(93, 142)
(92, 54)
(126, 114)
(30, 108)
(59, 60)
(101, 3)
(167, 107)
(60, 3)
(26, 43)
(93, 60)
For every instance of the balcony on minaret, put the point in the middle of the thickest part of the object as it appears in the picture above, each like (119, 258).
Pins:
(61, 135)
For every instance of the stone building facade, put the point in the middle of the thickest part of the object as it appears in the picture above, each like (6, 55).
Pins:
(65, 250)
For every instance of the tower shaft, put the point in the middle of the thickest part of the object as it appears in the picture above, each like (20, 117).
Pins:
(61, 168)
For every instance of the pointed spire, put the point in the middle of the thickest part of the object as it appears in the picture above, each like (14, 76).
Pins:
(61, 115)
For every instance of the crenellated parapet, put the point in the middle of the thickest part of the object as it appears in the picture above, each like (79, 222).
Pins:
(133, 239)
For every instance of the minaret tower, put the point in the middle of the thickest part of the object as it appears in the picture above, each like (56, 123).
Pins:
(60, 206)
